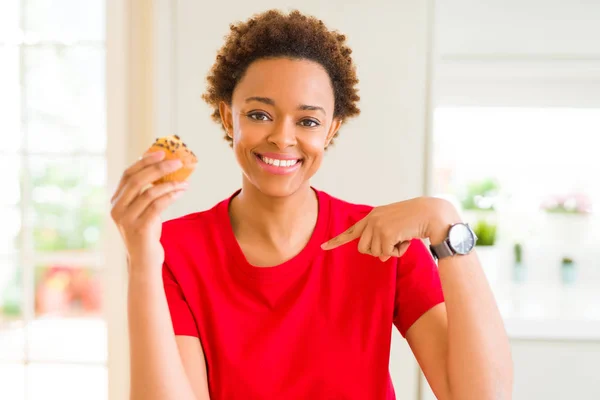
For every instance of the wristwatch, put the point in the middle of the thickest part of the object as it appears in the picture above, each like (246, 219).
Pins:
(461, 240)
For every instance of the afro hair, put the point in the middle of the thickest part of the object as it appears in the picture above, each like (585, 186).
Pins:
(273, 34)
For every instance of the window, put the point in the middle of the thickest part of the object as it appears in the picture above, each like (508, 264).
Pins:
(526, 179)
(52, 122)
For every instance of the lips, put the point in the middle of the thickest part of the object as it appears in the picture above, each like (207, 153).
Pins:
(279, 164)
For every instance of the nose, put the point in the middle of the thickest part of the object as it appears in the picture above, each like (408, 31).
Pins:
(283, 135)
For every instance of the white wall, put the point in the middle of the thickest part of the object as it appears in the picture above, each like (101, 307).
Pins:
(545, 51)
(519, 28)
(379, 158)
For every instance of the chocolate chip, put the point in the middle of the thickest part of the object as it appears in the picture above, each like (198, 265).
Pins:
(176, 137)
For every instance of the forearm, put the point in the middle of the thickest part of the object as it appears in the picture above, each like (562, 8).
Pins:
(157, 372)
(479, 359)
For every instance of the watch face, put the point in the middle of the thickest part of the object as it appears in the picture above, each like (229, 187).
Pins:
(461, 238)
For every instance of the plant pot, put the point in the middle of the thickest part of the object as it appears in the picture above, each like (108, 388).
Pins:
(568, 273)
(519, 272)
(565, 230)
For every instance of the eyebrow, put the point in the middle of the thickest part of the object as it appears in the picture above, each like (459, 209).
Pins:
(271, 102)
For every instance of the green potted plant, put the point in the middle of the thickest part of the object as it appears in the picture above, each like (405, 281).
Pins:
(519, 272)
(568, 270)
(572, 203)
(518, 251)
(486, 232)
(480, 195)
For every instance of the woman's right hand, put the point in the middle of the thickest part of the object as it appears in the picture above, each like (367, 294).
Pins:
(136, 211)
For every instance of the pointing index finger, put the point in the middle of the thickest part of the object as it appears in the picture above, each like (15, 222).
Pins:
(354, 232)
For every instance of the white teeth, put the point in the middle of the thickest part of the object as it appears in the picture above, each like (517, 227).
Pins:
(279, 163)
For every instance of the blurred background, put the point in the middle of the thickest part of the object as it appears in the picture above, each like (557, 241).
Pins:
(492, 104)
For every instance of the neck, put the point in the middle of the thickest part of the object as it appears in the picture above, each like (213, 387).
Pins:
(274, 220)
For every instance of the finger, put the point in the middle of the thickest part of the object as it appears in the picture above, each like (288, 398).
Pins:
(389, 249)
(156, 208)
(139, 205)
(376, 244)
(143, 162)
(388, 252)
(402, 248)
(134, 185)
(354, 232)
(365, 242)
(395, 251)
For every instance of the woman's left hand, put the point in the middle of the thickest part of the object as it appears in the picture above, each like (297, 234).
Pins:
(387, 230)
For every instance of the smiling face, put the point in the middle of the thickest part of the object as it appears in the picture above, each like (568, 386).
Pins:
(281, 120)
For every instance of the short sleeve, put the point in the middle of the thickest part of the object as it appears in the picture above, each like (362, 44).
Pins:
(418, 286)
(181, 315)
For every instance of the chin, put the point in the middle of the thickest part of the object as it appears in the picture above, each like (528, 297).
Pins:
(273, 187)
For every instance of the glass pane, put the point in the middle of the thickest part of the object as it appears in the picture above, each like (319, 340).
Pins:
(68, 292)
(12, 381)
(9, 20)
(10, 96)
(68, 321)
(10, 230)
(65, 98)
(67, 382)
(526, 179)
(68, 202)
(12, 336)
(11, 185)
(65, 20)
(536, 152)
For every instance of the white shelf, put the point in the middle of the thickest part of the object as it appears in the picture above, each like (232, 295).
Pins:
(550, 311)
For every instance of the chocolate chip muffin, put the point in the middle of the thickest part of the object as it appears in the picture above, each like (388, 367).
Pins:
(174, 149)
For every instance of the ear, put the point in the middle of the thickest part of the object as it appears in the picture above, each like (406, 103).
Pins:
(333, 129)
(226, 118)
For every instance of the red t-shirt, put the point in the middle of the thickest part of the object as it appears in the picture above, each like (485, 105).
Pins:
(315, 327)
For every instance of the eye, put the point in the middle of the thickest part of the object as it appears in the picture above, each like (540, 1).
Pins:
(258, 116)
(309, 123)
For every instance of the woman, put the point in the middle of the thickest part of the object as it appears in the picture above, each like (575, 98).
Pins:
(282, 291)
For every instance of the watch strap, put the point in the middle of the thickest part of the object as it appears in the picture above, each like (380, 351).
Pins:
(441, 250)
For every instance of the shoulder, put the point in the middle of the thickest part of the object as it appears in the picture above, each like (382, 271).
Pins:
(194, 242)
(186, 224)
(188, 228)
